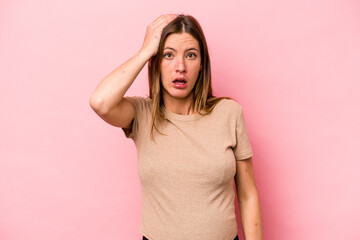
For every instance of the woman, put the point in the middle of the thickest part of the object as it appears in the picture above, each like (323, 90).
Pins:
(189, 142)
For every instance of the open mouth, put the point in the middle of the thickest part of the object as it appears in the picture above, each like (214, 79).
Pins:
(179, 81)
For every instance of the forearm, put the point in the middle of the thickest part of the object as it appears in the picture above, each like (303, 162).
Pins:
(113, 87)
(251, 218)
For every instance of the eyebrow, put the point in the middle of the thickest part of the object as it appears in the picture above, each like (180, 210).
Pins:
(188, 49)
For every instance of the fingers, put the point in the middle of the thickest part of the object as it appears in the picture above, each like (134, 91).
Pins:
(166, 17)
(162, 21)
(153, 32)
(158, 22)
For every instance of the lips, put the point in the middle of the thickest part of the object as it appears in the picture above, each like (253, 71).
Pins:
(180, 79)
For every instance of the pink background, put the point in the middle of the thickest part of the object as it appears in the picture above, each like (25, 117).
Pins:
(292, 65)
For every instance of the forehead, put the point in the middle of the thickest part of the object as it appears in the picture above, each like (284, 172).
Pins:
(181, 40)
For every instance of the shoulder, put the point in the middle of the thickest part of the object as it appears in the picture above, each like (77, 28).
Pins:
(140, 102)
(138, 98)
(229, 106)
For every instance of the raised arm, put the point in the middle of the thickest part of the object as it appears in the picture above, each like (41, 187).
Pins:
(108, 98)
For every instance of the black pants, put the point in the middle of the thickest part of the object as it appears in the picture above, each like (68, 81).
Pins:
(236, 238)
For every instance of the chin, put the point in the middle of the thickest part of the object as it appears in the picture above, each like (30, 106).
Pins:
(175, 93)
(181, 95)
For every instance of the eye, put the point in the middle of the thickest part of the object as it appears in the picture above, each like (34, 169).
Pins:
(194, 55)
(166, 54)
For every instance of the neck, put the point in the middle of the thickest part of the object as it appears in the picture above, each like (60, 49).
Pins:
(182, 106)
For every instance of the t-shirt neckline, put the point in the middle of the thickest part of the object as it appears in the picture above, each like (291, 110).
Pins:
(180, 117)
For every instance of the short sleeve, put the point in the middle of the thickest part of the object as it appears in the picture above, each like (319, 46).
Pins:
(242, 149)
(140, 109)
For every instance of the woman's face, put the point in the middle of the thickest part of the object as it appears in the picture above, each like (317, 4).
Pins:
(181, 59)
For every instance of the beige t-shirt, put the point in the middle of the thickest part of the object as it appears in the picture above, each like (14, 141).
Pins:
(187, 177)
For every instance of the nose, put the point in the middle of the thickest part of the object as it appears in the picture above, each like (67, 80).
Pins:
(180, 65)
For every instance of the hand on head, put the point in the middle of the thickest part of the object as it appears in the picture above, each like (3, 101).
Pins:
(153, 33)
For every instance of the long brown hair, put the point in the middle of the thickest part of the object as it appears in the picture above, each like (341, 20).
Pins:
(204, 100)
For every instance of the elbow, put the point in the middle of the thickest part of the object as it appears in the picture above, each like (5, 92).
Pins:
(251, 196)
(97, 104)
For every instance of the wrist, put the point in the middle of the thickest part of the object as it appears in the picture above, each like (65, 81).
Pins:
(144, 54)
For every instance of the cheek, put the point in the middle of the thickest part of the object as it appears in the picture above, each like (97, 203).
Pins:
(164, 72)
(165, 67)
(195, 69)
(167, 63)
